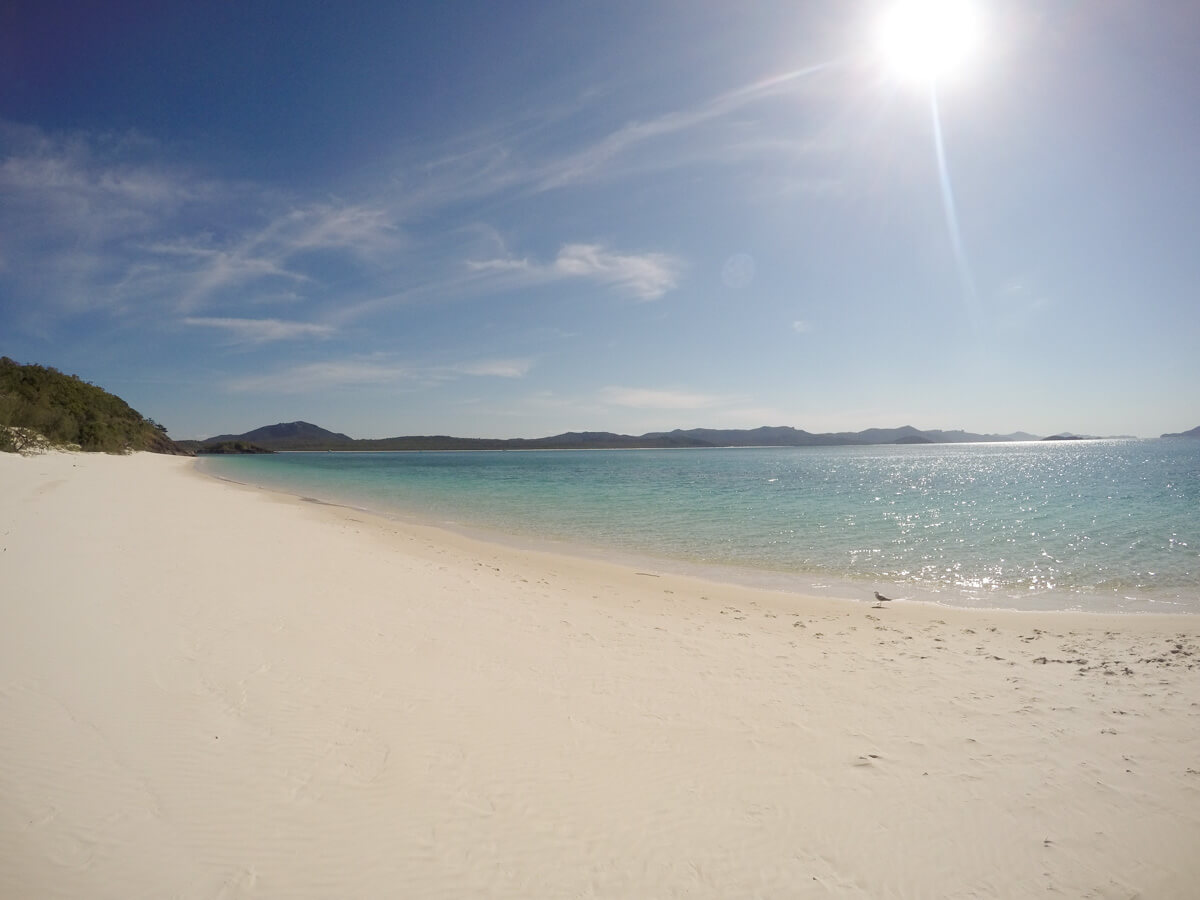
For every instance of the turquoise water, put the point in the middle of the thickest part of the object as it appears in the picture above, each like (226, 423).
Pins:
(1104, 525)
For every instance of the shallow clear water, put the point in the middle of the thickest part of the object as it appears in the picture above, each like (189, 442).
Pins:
(1105, 525)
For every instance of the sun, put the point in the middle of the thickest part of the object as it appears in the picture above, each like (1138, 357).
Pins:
(927, 41)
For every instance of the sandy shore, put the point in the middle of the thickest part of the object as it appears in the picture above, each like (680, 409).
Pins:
(214, 691)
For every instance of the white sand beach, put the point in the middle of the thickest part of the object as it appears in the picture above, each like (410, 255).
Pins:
(214, 691)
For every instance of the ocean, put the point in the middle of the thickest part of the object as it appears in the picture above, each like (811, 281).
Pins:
(1105, 526)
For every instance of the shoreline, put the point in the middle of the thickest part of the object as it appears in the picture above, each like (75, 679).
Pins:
(213, 689)
(716, 576)
(844, 587)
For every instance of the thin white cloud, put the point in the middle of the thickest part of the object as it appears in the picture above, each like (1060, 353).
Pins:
(103, 225)
(312, 377)
(205, 270)
(588, 163)
(363, 229)
(510, 160)
(70, 209)
(106, 224)
(647, 276)
(499, 368)
(645, 398)
(261, 259)
(70, 175)
(644, 276)
(260, 331)
(507, 265)
(800, 326)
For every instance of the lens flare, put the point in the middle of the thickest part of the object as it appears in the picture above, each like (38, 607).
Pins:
(928, 40)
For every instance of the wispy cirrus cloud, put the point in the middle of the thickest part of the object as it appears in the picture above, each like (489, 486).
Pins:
(109, 222)
(593, 161)
(75, 173)
(498, 368)
(71, 209)
(334, 374)
(644, 276)
(262, 258)
(103, 223)
(364, 229)
(261, 331)
(541, 152)
(646, 398)
(198, 272)
(314, 377)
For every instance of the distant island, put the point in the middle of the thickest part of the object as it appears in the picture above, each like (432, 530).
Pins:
(306, 436)
(40, 408)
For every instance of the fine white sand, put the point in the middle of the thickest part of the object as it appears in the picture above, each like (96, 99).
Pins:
(214, 691)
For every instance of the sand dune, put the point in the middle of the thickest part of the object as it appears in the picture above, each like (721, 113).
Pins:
(215, 691)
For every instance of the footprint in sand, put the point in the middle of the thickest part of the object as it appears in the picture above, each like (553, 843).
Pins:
(363, 758)
(356, 758)
(72, 852)
(240, 883)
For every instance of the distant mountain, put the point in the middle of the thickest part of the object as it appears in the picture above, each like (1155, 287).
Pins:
(966, 437)
(287, 436)
(779, 436)
(306, 436)
(1194, 433)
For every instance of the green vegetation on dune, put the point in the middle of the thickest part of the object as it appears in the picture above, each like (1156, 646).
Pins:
(67, 411)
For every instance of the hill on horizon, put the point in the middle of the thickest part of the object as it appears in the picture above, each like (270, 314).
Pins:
(307, 436)
(64, 410)
(296, 435)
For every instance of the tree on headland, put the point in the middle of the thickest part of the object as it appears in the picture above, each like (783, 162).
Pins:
(66, 411)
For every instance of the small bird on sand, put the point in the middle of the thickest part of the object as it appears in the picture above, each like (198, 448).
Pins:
(880, 600)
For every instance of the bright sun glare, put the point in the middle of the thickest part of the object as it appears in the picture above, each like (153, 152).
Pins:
(928, 40)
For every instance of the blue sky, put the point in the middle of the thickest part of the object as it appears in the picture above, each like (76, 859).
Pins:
(516, 219)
